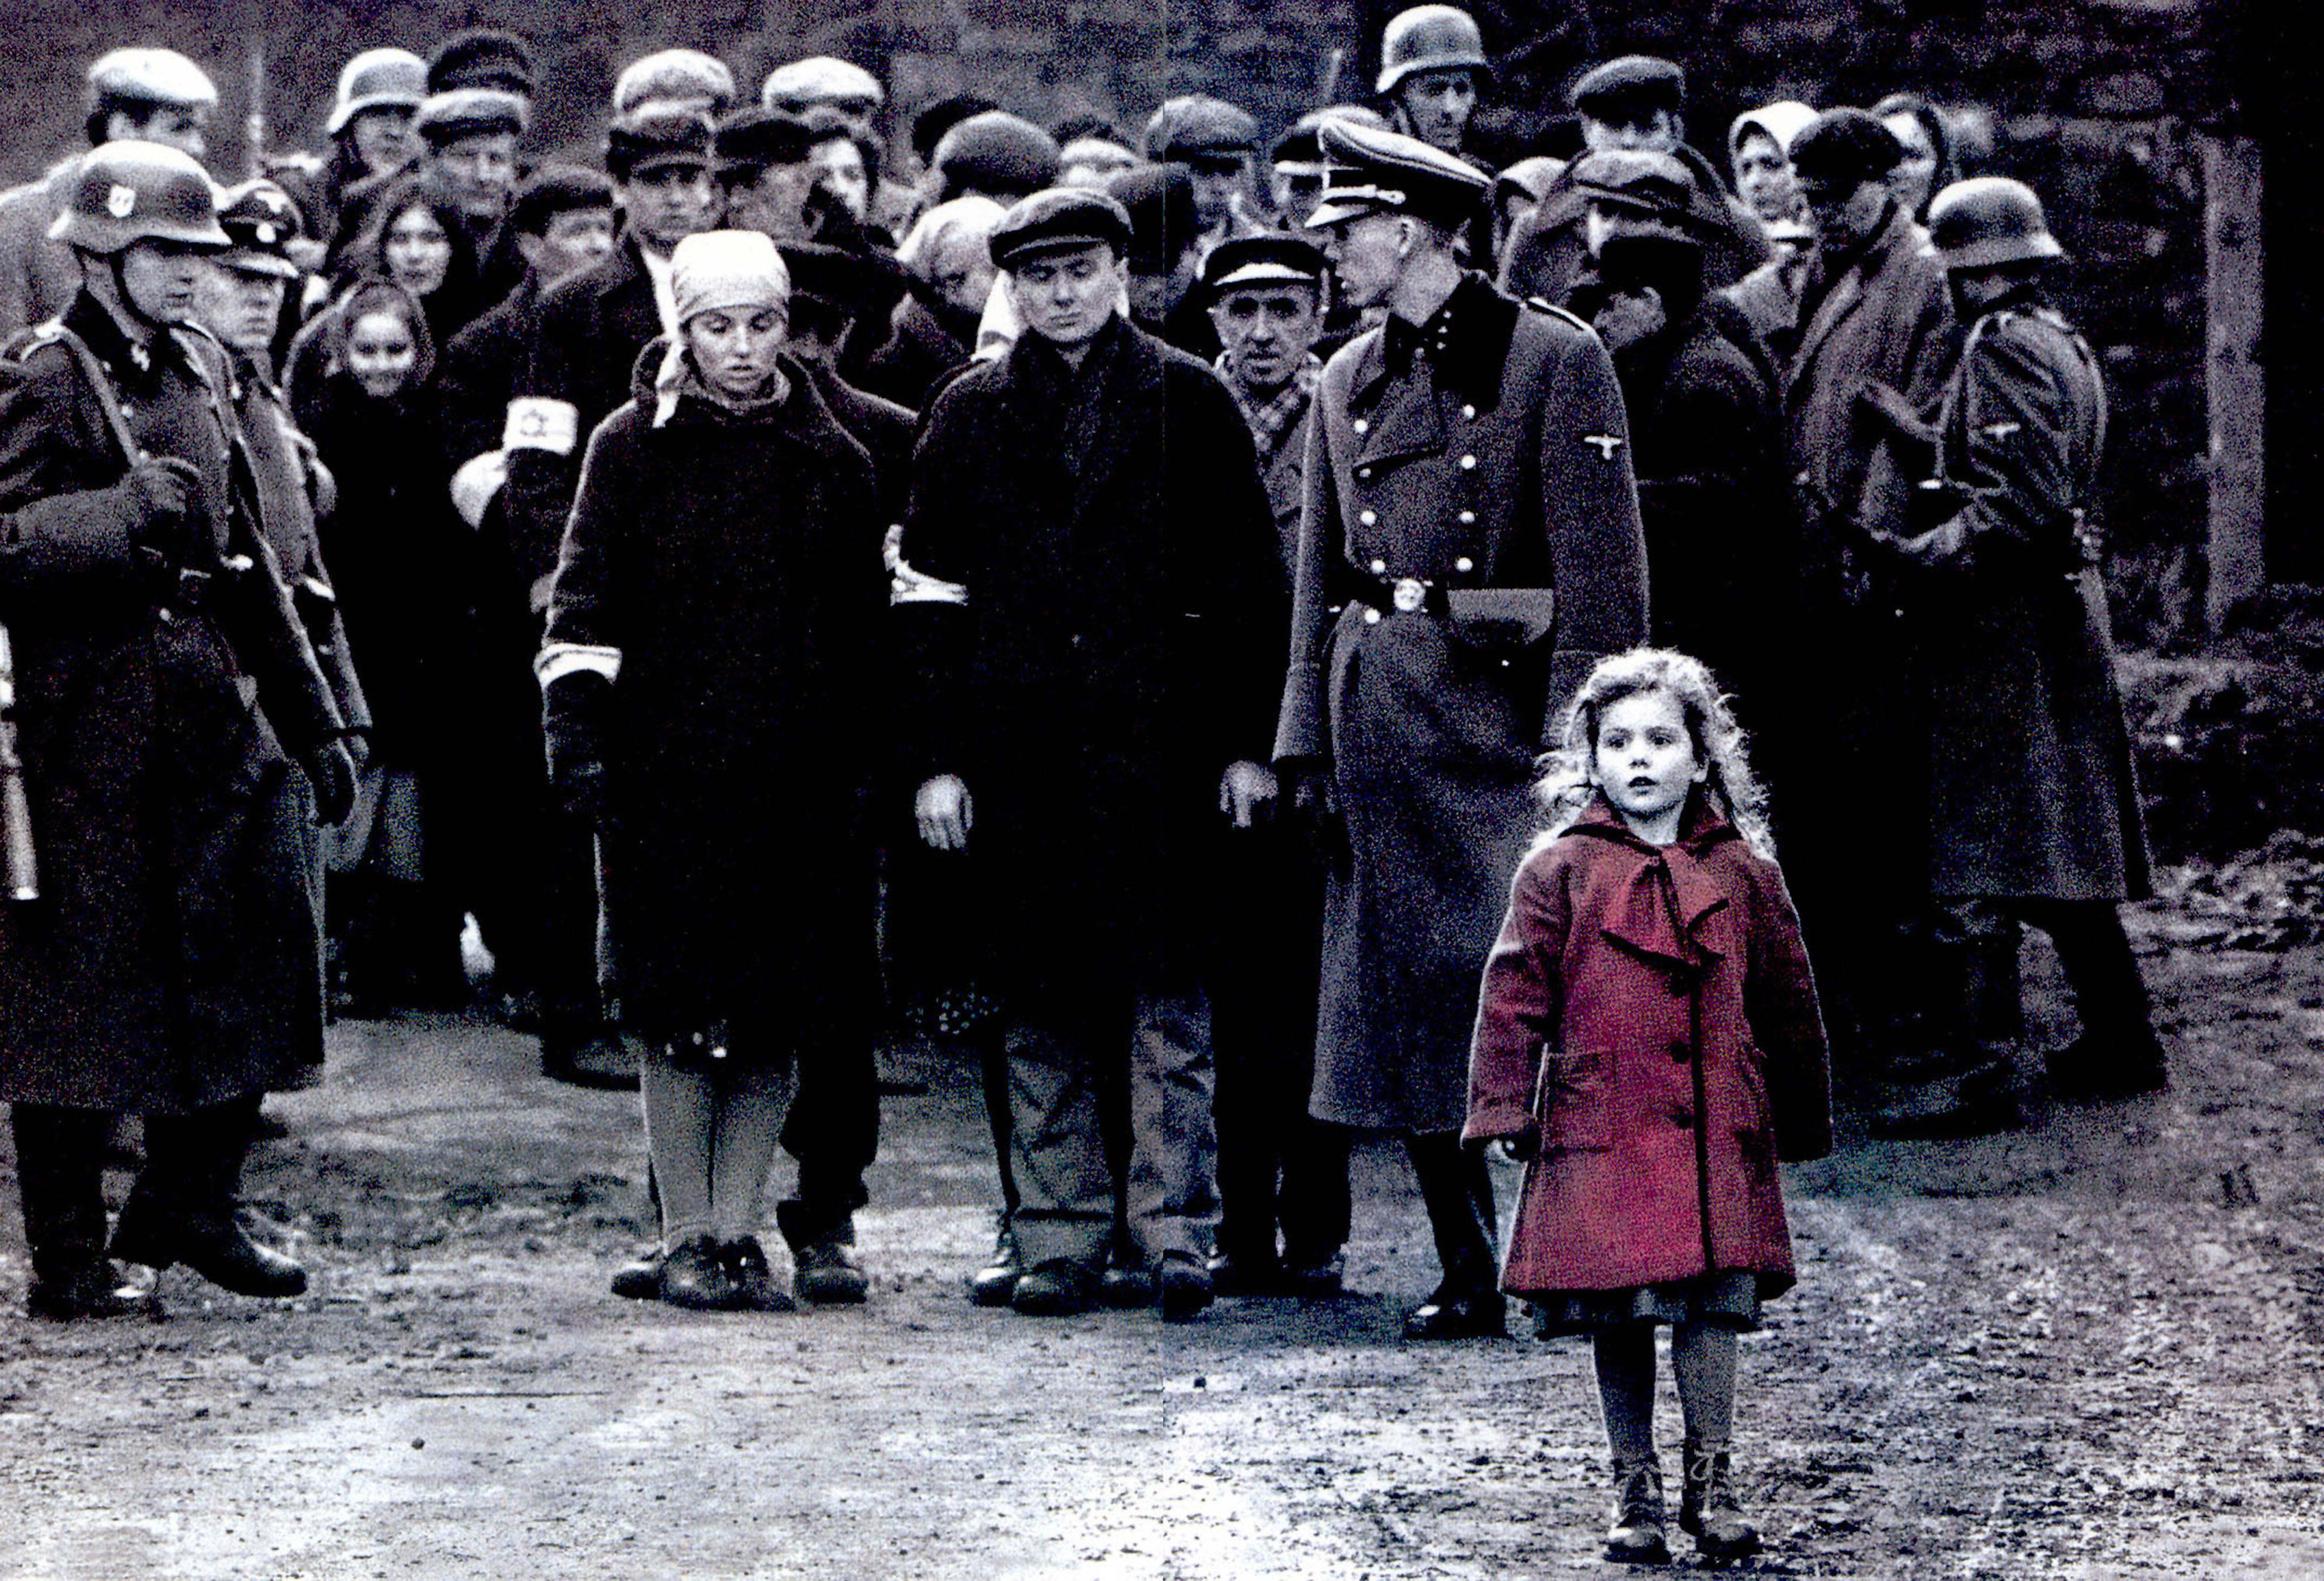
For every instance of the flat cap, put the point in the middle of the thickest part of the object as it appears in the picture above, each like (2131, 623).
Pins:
(1528, 178)
(932, 121)
(554, 189)
(751, 139)
(469, 112)
(1371, 171)
(658, 139)
(1160, 200)
(482, 57)
(1249, 261)
(1095, 159)
(1631, 85)
(1647, 193)
(1847, 145)
(841, 281)
(150, 77)
(1199, 127)
(683, 78)
(996, 154)
(374, 80)
(821, 79)
(1782, 120)
(1059, 220)
(261, 222)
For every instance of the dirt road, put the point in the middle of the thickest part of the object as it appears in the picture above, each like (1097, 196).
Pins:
(2091, 1350)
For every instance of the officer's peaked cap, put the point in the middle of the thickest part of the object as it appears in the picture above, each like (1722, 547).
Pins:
(1368, 170)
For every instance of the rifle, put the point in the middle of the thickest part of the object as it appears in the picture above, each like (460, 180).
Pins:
(19, 862)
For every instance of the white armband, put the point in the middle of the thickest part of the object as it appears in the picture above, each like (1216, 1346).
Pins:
(537, 423)
(557, 660)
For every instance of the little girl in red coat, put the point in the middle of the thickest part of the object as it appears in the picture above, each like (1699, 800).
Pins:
(1648, 1039)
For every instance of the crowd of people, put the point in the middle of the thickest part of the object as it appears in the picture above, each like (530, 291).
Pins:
(1102, 598)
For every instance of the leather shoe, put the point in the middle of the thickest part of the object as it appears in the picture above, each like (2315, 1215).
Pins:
(1059, 1288)
(826, 1274)
(1231, 1276)
(1186, 1287)
(221, 1253)
(99, 1291)
(694, 1277)
(993, 1284)
(2092, 1070)
(755, 1291)
(639, 1278)
(1458, 1314)
(1127, 1286)
(1320, 1280)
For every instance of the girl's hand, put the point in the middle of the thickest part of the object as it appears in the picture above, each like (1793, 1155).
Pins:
(943, 812)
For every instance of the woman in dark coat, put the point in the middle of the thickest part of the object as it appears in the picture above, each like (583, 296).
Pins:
(712, 697)
(419, 241)
(399, 556)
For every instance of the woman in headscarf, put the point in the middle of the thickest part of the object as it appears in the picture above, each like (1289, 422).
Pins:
(711, 702)
(1929, 166)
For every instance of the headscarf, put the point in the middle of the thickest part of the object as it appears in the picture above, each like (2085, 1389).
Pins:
(709, 272)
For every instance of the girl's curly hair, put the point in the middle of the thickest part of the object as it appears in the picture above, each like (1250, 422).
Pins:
(1567, 788)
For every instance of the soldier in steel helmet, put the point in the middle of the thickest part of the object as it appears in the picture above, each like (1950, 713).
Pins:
(1433, 70)
(1469, 548)
(170, 966)
(2033, 811)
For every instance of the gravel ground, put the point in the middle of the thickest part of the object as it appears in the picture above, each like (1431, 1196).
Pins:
(2087, 1350)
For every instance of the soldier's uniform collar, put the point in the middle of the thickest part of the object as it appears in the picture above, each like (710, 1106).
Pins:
(1466, 340)
(135, 364)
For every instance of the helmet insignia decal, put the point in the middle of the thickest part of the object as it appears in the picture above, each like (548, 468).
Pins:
(120, 201)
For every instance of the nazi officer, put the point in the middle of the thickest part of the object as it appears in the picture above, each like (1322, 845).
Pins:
(167, 696)
(1469, 548)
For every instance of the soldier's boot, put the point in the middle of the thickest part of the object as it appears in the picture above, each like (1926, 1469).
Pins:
(1959, 1081)
(1707, 1509)
(2118, 1054)
(1635, 1535)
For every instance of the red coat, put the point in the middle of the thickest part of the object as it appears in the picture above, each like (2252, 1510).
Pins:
(1684, 1055)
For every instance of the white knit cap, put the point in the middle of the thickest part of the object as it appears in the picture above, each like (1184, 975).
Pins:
(727, 269)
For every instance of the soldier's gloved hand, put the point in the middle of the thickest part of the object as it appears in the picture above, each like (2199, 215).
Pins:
(164, 498)
(331, 771)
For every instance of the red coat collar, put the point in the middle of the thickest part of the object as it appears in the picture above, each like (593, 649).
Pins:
(1671, 889)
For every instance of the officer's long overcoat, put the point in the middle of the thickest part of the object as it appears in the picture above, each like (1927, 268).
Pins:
(1494, 456)
(1649, 1020)
(732, 560)
(1117, 648)
(2032, 791)
(170, 963)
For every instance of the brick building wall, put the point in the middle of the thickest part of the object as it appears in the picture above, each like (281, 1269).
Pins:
(2100, 104)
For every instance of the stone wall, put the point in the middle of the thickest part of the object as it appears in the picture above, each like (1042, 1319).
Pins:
(2095, 102)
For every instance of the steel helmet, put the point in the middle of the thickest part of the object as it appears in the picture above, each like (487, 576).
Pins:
(1987, 221)
(377, 79)
(131, 191)
(1430, 38)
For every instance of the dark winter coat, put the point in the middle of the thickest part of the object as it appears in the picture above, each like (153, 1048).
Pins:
(1114, 654)
(920, 350)
(1648, 1023)
(2032, 791)
(1499, 459)
(480, 371)
(732, 562)
(886, 431)
(593, 324)
(171, 962)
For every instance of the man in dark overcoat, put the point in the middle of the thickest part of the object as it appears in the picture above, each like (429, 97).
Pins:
(1093, 496)
(169, 966)
(1279, 1165)
(2034, 808)
(1470, 547)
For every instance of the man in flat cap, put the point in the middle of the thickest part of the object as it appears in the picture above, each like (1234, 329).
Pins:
(1165, 256)
(1216, 142)
(1877, 341)
(1635, 104)
(467, 139)
(674, 79)
(1470, 546)
(591, 326)
(821, 82)
(148, 96)
(1280, 1168)
(1088, 714)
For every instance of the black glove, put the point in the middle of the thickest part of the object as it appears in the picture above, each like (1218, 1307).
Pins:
(166, 515)
(572, 721)
(331, 771)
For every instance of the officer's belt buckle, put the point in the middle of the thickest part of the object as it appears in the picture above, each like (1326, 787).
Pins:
(1408, 594)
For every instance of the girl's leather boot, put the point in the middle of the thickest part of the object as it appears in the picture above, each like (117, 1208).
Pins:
(1635, 1537)
(1707, 1510)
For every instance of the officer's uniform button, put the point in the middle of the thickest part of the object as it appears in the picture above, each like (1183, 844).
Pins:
(1465, 563)
(1468, 464)
(1371, 617)
(1469, 412)
(1379, 567)
(1680, 1117)
(1680, 1050)
(1360, 426)
(1369, 518)
(1364, 473)
(1468, 518)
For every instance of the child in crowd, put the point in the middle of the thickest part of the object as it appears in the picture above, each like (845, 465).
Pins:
(1648, 1040)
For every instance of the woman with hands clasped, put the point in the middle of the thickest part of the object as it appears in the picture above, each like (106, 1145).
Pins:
(1648, 1038)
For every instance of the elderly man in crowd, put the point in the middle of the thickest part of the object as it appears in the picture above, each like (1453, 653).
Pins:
(1469, 548)
(1086, 717)
(151, 96)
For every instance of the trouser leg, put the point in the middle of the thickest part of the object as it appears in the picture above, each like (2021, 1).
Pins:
(1249, 1122)
(834, 1132)
(1314, 1201)
(1173, 1190)
(61, 1179)
(1065, 1192)
(1459, 1198)
(992, 1073)
(751, 1105)
(193, 1165)
(680, 1110)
